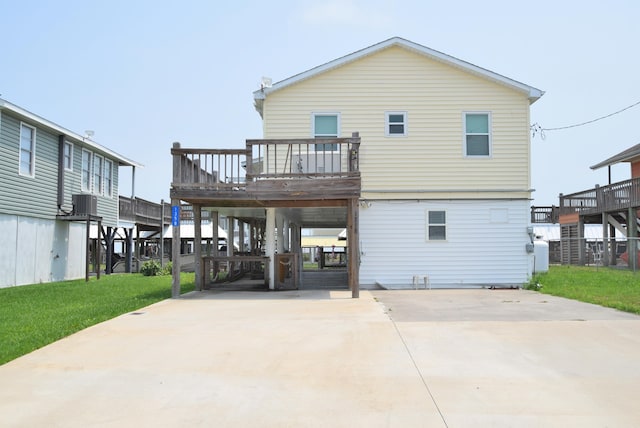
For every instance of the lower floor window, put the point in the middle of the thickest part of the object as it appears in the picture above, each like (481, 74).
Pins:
(436, 225)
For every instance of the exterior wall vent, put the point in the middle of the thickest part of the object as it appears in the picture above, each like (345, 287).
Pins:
(85, 204)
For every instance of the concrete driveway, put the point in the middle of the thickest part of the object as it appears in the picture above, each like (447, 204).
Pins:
(425, 358)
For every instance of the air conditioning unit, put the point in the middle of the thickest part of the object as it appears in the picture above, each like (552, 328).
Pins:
(85, 204)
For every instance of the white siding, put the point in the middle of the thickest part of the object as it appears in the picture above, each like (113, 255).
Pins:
(38, 250)
(485, 244)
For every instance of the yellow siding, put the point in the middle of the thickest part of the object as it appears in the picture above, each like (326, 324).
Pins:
(429, 162)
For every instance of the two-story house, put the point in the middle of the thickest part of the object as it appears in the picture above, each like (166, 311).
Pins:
(440, 165)
(54, 184)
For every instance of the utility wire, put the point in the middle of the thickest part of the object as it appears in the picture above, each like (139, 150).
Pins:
(537, 128)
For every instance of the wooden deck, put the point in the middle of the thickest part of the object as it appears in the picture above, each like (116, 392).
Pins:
(268, 170)
(613, 198)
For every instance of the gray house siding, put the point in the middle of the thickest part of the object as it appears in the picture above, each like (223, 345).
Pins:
(22, 195)
(37, 196)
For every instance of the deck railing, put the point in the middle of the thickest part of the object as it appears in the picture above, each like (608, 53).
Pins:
(142, 211)
(613, 197)
(217, 169)
(548, 214)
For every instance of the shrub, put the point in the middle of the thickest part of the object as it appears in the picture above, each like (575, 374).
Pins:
(167, 269)
(150, 268)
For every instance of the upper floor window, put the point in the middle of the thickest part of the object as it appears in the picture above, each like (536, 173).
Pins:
(27, 150)
(477, 131)
(396, 123)
(67, 156)
(97, 173)
(326, 125)
(86, 170)
(108, 178)
(436, 225)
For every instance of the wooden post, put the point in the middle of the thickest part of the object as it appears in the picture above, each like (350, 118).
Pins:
(128, 236)
(230, 238)
(87, 267)
(215, 221)
(197, 245)
(175, 251)
(270, 246)
(605, 239)
(353, 247)
(98, 245)
(632, 238)
(581, 242)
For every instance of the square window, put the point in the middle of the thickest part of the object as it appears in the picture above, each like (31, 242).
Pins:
(396, 123)
(477, 134)
(326, 125)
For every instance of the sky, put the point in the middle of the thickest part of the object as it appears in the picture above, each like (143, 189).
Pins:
(144, 74)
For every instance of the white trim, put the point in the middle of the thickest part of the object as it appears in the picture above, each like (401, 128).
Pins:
(532, 93)
(24, 114)
(64, 158)
(88, 187)
(464, 135)
(325, 113)
(404, 123)
(32, 163)
(99, 186)
(109, 193)
(427, 224)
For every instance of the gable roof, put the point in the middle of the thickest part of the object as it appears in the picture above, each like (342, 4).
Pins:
(72, 136)
(532, 93)
(628, 155)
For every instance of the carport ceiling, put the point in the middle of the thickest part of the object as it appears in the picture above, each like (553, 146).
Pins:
(309, 217)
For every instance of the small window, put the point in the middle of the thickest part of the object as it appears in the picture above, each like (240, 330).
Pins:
(396, 123)
(108, 178)
(67, 156)
(477, 134)
(97, 174)
(326, 125)
(436, 225)
(27, 150)
(86, 170)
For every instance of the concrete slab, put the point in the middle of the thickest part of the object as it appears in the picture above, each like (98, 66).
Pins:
(454, 358)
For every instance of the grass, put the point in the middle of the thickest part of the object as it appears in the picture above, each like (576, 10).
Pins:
(33, 316)
(610, 287)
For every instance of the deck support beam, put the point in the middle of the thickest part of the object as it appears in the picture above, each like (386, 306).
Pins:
(270, 245)
(353, 252)
(605, 239)
(632, 239)
(175, 252)
(197, 246)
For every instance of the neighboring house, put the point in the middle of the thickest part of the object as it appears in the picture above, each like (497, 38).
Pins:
(614, 209)
(54, 183)
(442, 159)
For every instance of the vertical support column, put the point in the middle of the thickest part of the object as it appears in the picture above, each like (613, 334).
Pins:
(286, 240)
(605, 239)
(175, 250)
(87, 258)
(162, 232)
(241, 228)
(280, 239)
(197, 245)
(230, 236)
(581, 242)
(632, 238)
(614, 245)
(98, 246)
(296, 247)
(128, 236)
(270, 246)
(215, 221)
(353, 247)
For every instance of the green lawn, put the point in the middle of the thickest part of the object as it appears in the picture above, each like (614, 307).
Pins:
(32, 316)
(614, 288)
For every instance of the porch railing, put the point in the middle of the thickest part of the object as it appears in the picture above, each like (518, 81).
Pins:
(613, 197)
(547, 214)
(219, 169)
(142, 211)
